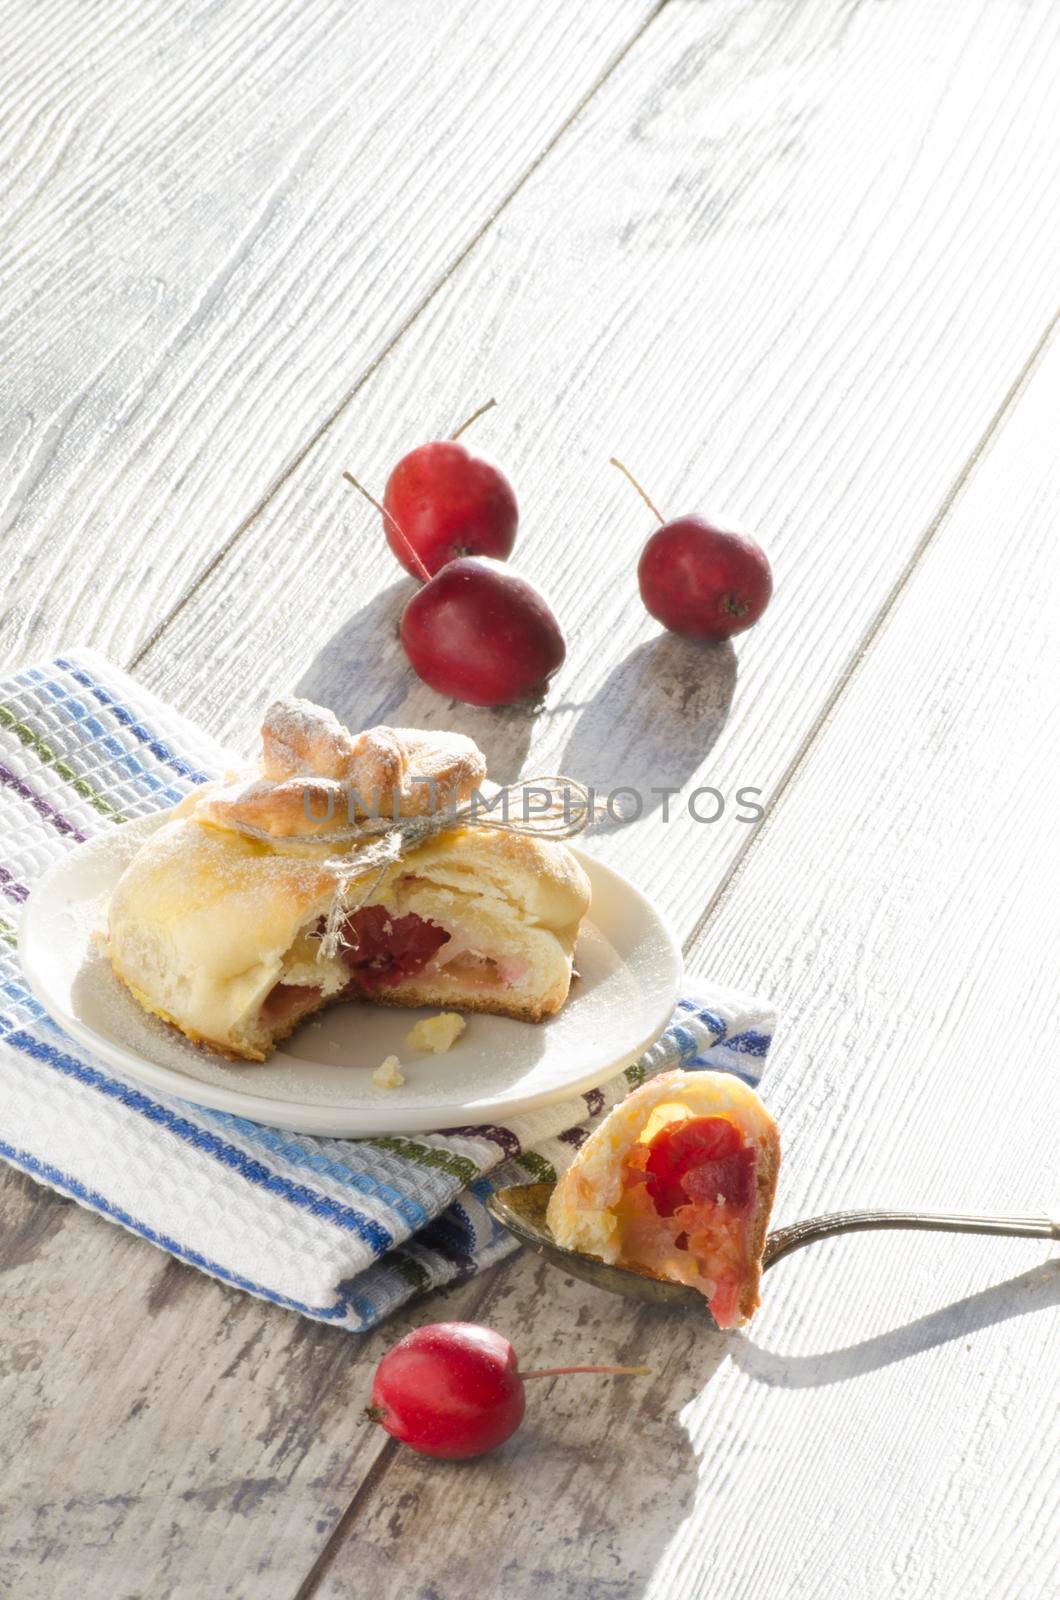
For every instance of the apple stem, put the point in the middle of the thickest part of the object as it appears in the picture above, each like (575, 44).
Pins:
(473, 418)
(372, 501)
(649, 503)
(559, 1372)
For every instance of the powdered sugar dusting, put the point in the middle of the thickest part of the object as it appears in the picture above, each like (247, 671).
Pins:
(290, 730)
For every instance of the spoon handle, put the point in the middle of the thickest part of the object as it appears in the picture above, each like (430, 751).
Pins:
(782, 1241)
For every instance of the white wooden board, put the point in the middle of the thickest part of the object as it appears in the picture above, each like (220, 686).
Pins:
(885, 1427)
(743, 273)
(790, 260)
(217, 218)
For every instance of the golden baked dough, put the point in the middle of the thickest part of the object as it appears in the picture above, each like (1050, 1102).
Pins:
(216, 924)
(678, 1182)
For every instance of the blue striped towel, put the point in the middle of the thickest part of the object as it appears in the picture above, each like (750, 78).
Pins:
(338, 1229)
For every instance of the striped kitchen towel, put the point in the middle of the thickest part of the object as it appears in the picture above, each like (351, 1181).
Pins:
(338, 1229)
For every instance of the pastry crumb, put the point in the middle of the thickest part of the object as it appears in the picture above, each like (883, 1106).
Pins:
(388, 1074)
(438, 1033)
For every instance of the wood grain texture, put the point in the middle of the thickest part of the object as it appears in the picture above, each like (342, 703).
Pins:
(882, 1427)
(791, 259)
(902, 909)
(743, 273)
(191, 195)
(215, 218)
(165, 1436)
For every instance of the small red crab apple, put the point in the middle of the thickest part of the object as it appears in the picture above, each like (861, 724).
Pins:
(441, 502)
(480, 633)
(454, 1389)
(700, 579)
(475, 630)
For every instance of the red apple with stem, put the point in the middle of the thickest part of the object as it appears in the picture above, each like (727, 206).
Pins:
(699, 578)
(454, 1390)
(480, 633)
(441, 502)
(476, 631)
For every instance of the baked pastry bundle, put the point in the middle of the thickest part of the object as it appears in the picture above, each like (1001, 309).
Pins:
(249, 909)
(678, 1182)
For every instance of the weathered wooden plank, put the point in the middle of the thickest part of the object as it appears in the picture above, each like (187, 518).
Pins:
(913, 355)
(880, 1428)
(750, 276)
(902, 907)
(213, 219)
(187, 196)
(165, 1435)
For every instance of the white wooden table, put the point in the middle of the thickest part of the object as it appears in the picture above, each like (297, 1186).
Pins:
(796, 260)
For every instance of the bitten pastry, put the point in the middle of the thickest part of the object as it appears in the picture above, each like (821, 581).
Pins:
(678, 1182)
(217, 925)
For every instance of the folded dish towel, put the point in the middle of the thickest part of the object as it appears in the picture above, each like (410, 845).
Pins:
(339, 1229)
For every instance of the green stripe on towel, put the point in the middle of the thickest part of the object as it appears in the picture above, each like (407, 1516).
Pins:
(47, 755)
(425, 1155)
(415, 1276)
(540, 1169)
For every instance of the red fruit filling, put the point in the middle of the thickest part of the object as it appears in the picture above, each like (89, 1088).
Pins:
(703, 1160)
(382, 950)
(687, 1202)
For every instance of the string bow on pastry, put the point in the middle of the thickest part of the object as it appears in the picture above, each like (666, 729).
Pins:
(396, 789)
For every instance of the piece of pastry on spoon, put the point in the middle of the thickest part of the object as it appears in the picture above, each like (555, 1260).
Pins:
(678, 1182)
(217, 924)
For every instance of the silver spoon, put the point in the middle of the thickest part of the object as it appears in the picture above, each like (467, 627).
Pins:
(521, 1209)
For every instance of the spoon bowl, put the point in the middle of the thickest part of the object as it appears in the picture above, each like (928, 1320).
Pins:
(522, 1209)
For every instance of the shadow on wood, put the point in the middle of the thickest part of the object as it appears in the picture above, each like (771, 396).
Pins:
(33, 1215)
(361, 671)
(655, 718)
(1016, 1297)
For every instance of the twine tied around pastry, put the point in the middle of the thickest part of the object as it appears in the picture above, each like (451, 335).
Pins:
(568, 810)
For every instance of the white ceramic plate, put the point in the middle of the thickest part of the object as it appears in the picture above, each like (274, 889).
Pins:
(321, 1079)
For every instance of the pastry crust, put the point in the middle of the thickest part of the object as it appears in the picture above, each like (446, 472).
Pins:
(215, 924)
(317, 778)
(584, 1212)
